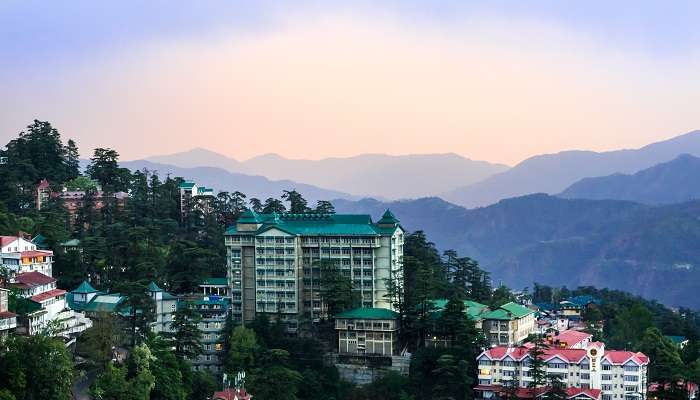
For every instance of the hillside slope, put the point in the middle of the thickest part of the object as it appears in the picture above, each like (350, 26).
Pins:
(675, 181)
(650, 251)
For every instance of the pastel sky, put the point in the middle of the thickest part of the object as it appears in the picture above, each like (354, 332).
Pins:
(496, 80)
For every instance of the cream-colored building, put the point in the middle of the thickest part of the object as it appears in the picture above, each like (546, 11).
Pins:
(509, 324)
(273, 261)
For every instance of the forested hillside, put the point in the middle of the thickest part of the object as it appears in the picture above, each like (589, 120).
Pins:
(646, 250)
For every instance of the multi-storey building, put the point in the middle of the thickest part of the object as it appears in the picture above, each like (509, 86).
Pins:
(609, 374)
(165, 308)
(74, 200)
(194, 196)
(368, 331)
(213, 311)
(8, 319)
(273, 261)
(509, 324)
(19, 255)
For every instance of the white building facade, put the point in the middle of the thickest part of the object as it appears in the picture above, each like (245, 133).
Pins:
(616, 374)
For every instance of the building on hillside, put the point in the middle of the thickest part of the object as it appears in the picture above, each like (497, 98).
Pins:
(91, 301)
(569, 339)
(8, 319)
(232, 394)
(572, 393)
(19, 255)
(679, 341)
(273, 261)
(509, 324)
(435, 337)
(616, 374)
(165, 308)
(74, 200)
(45, 304)
(213, 311)
(193, 196)
(368, 331)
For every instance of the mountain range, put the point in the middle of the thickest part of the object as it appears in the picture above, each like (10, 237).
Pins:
(675, 181)
(223, 180)
(648, 250)
(553, 173)
(375, 175)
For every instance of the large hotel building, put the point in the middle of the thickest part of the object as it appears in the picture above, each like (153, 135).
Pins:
(273, 261)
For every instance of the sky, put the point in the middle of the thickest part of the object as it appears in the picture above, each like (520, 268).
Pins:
(498, 81)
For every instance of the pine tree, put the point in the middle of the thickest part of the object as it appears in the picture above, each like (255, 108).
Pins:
(538, 368)
(186, 336)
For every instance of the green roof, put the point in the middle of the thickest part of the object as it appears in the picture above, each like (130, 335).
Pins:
(187, 185)
(508, 311)
(152, 287)
(368, 313)
(85, 287)
(313, 224)
(677, 339)
(216, 281)
(105, 302)
(40, 241)
(388, 218)
(473, 309)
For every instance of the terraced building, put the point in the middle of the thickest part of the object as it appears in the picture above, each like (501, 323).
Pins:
(273, 261)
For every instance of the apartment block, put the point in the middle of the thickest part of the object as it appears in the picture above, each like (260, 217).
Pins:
(273, 261)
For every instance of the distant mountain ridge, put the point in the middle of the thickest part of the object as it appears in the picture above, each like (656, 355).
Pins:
(553, 173)
(648, 250)
(253, 186)
(376, 175)
(675, 181)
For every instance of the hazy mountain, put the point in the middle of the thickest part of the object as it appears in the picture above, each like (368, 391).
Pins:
(552, 173)
(378, 175)
(199, 158)
(648, 250)
(675, 181)
(252, 186)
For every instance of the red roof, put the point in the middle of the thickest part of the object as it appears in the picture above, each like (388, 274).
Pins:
(37, 253)
(34, 279)
(571, 337)
(43, 184)
(519, 353)
(7, 314)
(5, 240)
(232, 394)
(616, 357)
(621, 357)
(528, 393)
(48, 295)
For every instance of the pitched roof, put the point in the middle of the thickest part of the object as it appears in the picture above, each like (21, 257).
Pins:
(473, 309)
(37, 253)
(616, 357)
(187, 185)
(47, 295)
(5, 240)
(388, 218)
(85, 287)
(152, 287)
(529, 393)
(7, 314)
(105, 302)
(571, 337)
(508, 311)
(32, 279)
(368, 313)
(312, 224)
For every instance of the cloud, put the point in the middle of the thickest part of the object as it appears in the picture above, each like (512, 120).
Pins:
(321, 84)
